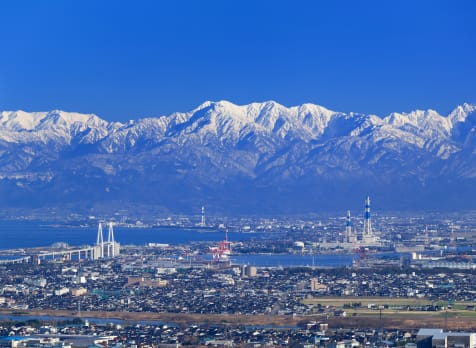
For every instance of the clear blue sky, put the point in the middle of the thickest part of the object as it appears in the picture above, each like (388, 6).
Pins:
(130, 59)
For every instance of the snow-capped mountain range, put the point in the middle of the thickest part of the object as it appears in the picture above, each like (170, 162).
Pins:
(261, 157)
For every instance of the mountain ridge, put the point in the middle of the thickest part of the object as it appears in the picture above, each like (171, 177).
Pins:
(264, 155)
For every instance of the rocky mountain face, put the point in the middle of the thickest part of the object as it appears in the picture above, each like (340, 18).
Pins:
(259, 158)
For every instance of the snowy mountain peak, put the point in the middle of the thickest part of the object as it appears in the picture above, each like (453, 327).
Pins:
(28, 121)
(55, 125)
(221, 150)
(428, 122)
(461, 112)
(203, 105)
(270, 117)
(314, 108)
(230, 123)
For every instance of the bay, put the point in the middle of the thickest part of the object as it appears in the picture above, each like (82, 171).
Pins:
(29, 234)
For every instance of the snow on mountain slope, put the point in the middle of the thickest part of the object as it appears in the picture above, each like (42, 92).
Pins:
(463, 119)
(255, 140)
(461, 112)
(230, 123)
(253, 153)
(58, 126)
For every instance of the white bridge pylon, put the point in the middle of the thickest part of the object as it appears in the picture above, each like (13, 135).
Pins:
(106, 249)
(100, 250)
(110, 241)
(100, 241)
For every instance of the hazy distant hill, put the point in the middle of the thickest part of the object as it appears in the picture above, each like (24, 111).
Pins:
(256, 158)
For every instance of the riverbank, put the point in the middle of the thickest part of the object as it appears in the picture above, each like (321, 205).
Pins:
(405, 320)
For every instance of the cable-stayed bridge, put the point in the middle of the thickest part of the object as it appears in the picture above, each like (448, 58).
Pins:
(102, 249)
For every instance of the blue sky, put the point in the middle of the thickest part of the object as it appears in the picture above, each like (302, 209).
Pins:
(131, 59)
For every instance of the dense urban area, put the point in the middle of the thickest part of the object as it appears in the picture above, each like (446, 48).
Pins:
(405, 275)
